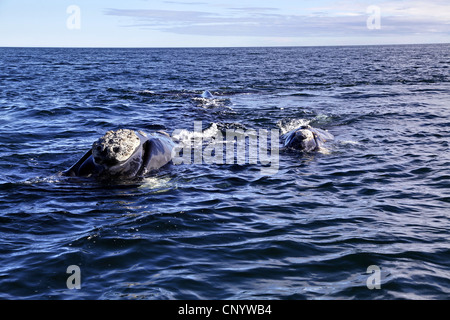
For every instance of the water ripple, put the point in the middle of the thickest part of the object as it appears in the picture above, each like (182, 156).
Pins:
(378, 196)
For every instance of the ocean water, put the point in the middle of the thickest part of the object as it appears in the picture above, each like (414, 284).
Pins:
(370, 210)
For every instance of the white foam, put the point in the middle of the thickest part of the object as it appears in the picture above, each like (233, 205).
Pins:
(322, 119)
(158, 184)
(186, 137)
(292, 124)
(345, 142)
(207, 103)
(145, 92)
(52, 179)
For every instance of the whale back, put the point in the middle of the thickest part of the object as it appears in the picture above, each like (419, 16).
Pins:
(158, 152)
(322, 135)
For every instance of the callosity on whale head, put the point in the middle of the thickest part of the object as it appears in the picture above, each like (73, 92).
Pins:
(301, 139)
(119, 152)
(306, 138)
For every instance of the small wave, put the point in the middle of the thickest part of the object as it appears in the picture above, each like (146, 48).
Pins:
(210, 103)
(349, 142)
(146, 92)
(185, 136)
(299, 94)
(321, 119)
(157, 184)
(286, 126)
(38, 180)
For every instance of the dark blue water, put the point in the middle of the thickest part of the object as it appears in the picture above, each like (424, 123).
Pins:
(378, 196)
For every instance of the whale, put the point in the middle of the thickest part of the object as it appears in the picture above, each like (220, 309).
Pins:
(124, 153)
(306, 138)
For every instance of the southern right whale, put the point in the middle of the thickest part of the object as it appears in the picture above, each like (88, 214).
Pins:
(124, 154)
(306, 138)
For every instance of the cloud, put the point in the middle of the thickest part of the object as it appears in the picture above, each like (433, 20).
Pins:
(253, 9)
(159, 15)
(186, 3)
(337, 19)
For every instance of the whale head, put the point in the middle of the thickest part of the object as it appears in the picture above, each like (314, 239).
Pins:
(301, 139)
(118, 152)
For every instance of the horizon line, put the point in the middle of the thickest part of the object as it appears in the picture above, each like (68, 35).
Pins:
(224, 47)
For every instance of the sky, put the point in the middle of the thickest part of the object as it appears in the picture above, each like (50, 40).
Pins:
(223, 23)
